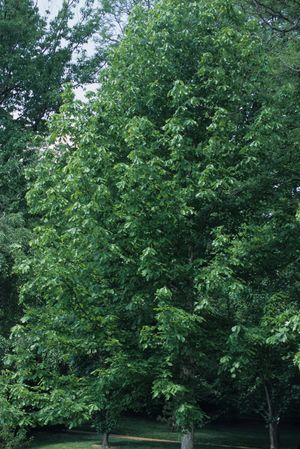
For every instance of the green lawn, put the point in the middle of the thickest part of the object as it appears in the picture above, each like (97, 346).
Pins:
(212, 436)
(44, 440)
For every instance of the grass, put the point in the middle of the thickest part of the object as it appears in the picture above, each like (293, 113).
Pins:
(45, 440)
(212, 436)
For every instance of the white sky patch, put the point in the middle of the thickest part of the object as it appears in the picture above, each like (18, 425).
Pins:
(49, 5)
(80, 92)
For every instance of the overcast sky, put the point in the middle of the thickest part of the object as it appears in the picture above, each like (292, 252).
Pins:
(51, 5)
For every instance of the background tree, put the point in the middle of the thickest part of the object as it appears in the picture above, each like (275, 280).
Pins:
(255, 256)
(35, 59)
(283, 17)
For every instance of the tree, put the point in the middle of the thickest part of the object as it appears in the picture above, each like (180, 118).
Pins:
(282, 20)
(130, 200)
(255, 258)
(35, 59)
(280, 17)
(266, 378)
(37, 56)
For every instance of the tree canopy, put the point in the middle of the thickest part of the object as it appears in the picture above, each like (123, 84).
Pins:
(165, 257)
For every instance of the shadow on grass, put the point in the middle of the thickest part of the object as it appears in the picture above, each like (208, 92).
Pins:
(65, 440)
(115, 442)
(214, 436)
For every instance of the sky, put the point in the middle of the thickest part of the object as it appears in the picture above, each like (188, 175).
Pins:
(52, 5)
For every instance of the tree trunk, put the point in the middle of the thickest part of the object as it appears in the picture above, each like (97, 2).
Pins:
(105, 437)
(273, 422)
(273, 433)
(187, 440)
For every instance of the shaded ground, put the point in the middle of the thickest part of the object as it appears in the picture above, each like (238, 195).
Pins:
(250, 435)
(148, 435)
(157, 440)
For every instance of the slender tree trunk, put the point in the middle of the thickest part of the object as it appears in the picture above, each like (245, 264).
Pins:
(105, 438)
(273, 422)
(187, 440)
(273, 433)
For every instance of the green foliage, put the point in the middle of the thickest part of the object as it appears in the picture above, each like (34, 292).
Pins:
(282, 17)
(128, 203)
(165, 240)
(13, 418)
(9, 439)
(37, 56)
(35, 59)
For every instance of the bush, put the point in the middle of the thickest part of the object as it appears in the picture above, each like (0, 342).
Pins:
(11, 438)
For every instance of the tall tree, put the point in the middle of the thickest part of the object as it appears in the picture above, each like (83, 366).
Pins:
(130, 201)
(255, 260)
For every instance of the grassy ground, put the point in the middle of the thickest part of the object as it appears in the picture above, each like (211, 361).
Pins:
(251, 435)
(211, 437)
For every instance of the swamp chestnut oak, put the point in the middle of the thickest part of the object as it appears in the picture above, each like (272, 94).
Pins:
(164, 176)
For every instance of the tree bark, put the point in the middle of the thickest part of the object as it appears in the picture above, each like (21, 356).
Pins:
(187, 440)
(105, 443)
(273, 422)
(273, 433)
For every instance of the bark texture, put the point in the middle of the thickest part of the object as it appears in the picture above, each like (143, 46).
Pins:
(105, 443)
(273, 422)
(187, 440)
(273, 433)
